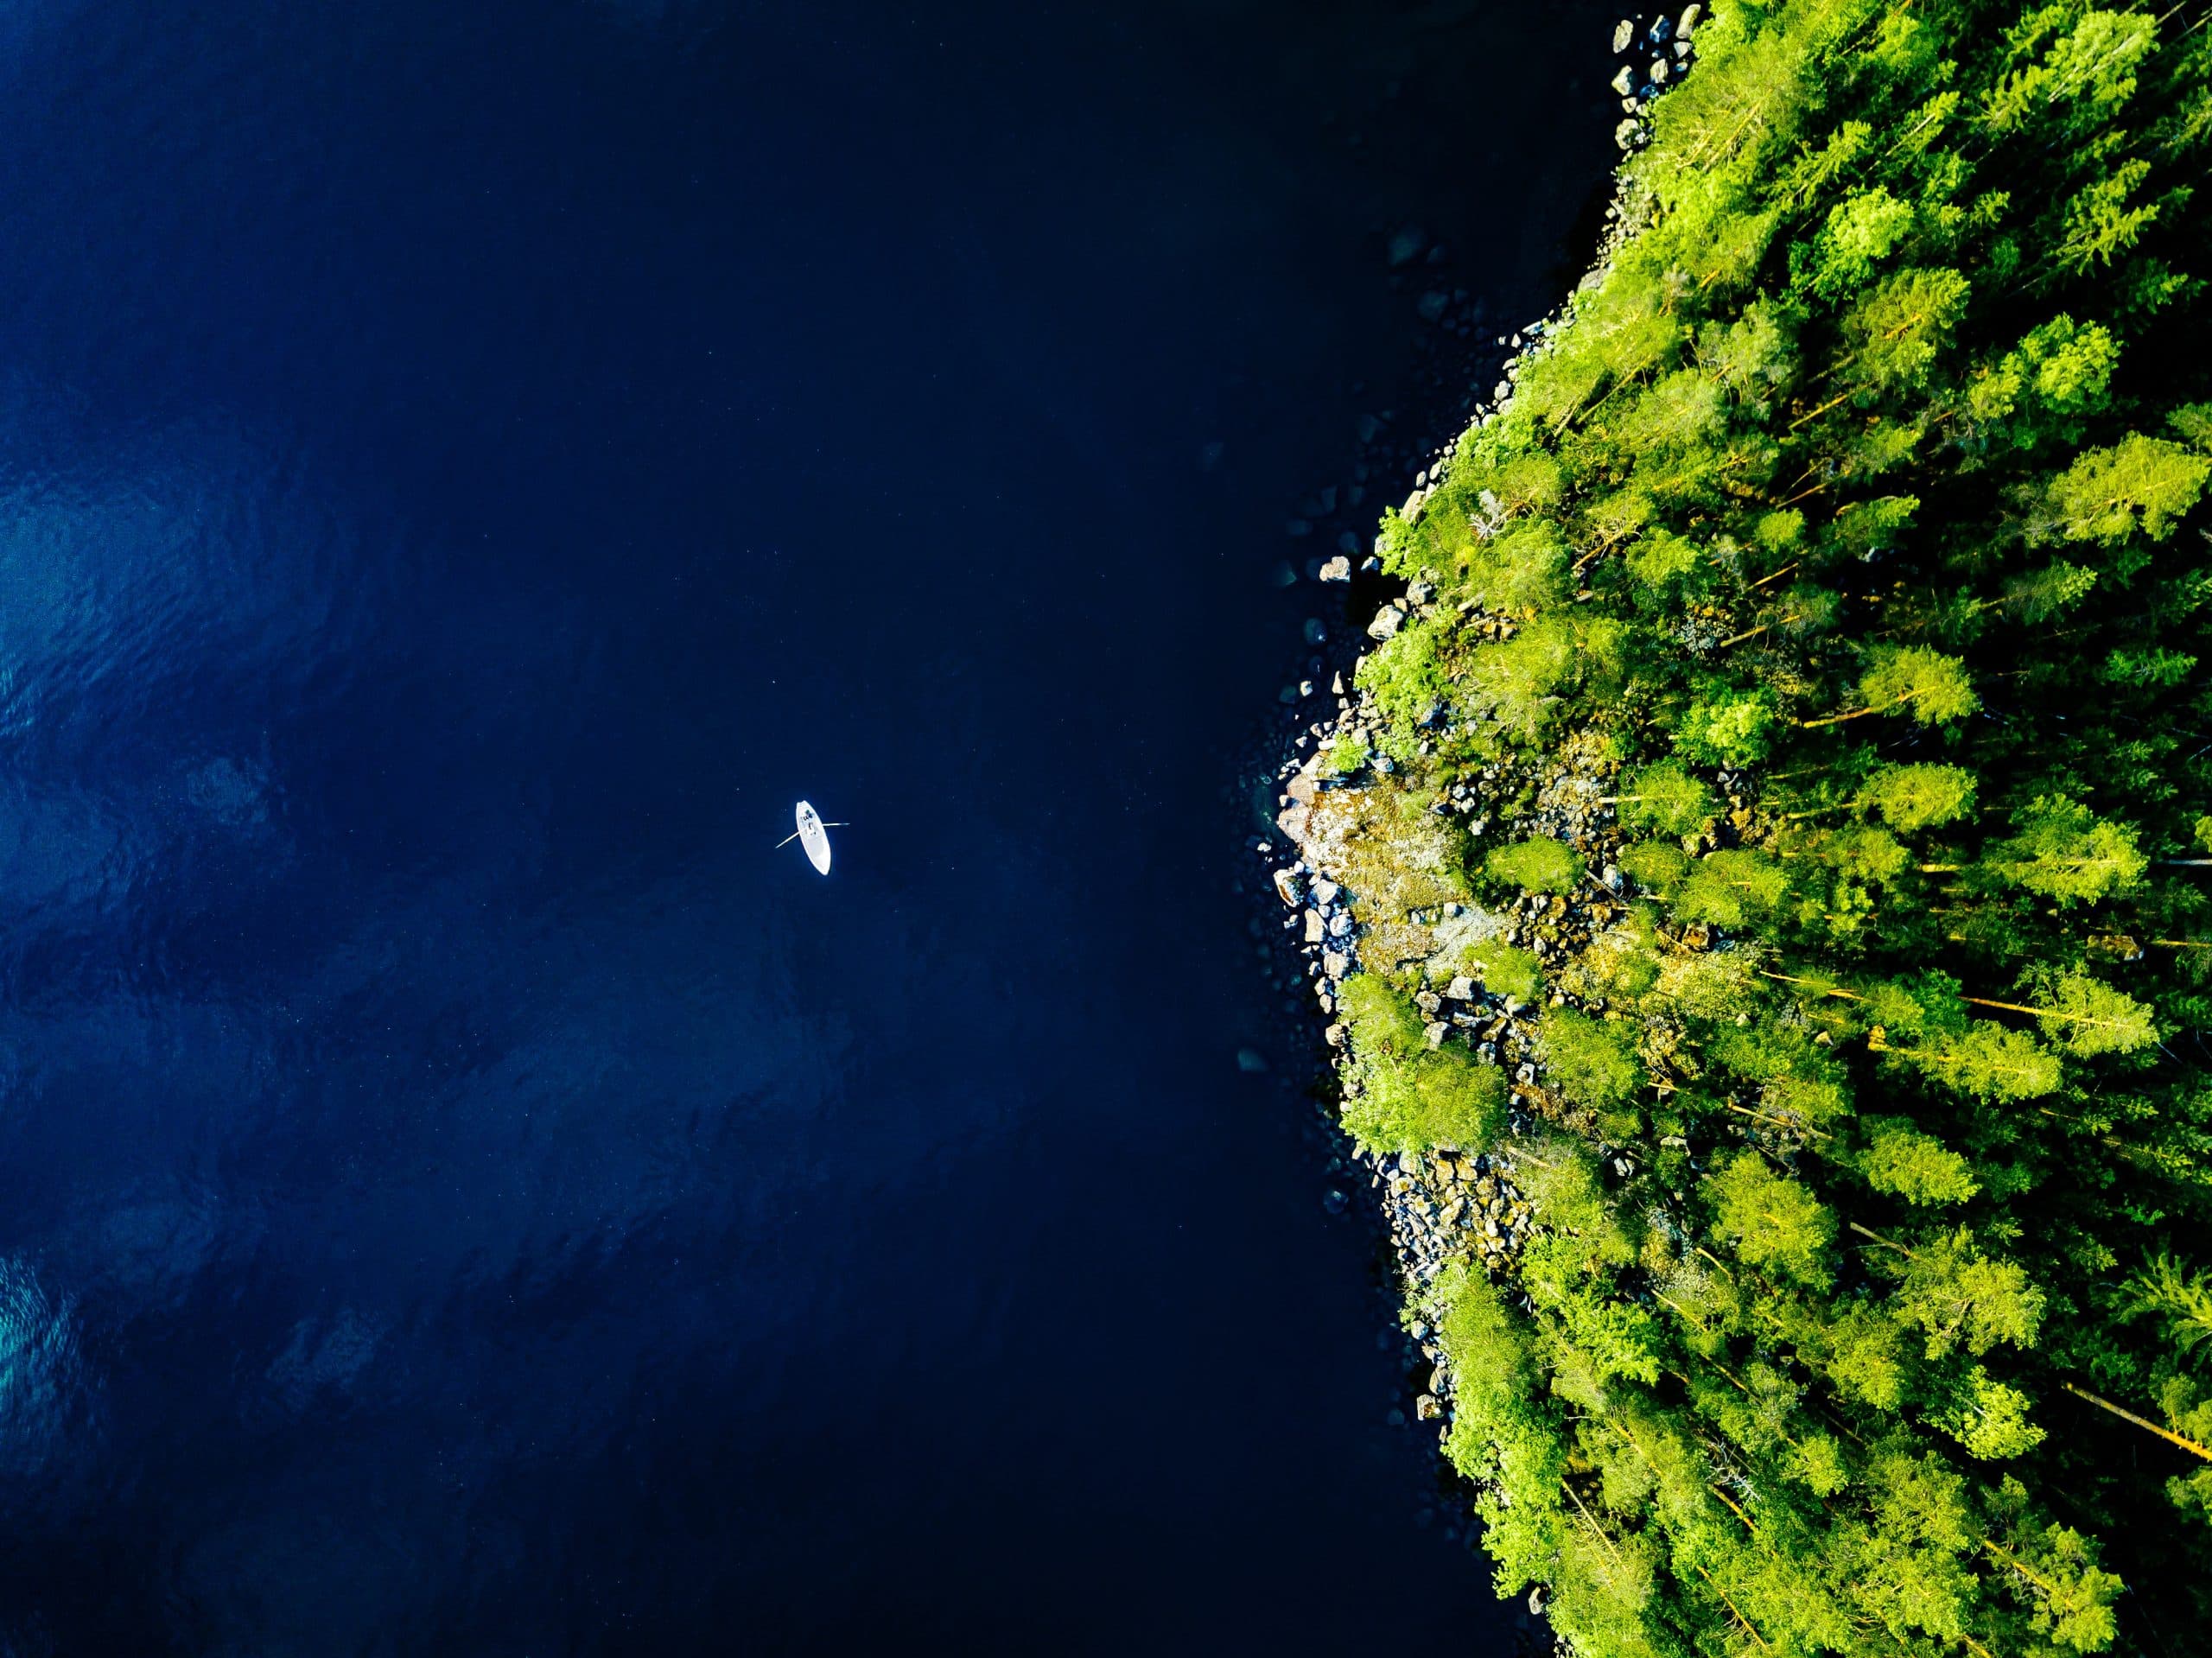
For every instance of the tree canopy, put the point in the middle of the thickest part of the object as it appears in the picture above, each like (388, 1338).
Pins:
(1848, 532)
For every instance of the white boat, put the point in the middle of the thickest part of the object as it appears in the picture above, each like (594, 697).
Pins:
(812, 835)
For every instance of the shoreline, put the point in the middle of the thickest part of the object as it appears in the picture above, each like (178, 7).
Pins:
(1438, 1209)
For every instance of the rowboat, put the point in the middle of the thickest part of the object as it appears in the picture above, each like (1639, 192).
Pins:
(813, 835)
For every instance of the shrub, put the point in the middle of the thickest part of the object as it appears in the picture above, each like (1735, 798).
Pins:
(1538, 865)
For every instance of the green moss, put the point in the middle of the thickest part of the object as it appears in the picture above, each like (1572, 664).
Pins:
(1507, 970)
(1537, 865)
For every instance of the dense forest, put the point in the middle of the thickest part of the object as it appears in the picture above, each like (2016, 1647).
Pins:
(1807, 665)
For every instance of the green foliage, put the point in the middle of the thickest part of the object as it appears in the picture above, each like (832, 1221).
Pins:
(1989, 1061)
(2182, 1300)
(1508, 970)
(1656, 865)
(1591, 1063)
(2063, 850)
(2059, 373)
(1934, 689)
(1960, 1297)
(1898, 331)
(1772, 1221)
(1666, 798)
(1539, 865)
(1861, 231)
(1725, 888)
(1404, 679)
(1900, 1159)
(1411, 1097)
(1660, 560)
(1520, 569)
(2139, 486)
(1918, 797)
(2088, 1017)
(1727, 727)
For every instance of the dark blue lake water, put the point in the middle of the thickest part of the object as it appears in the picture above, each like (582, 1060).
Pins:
(465, 470)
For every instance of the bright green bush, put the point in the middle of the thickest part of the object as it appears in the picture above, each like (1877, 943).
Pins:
(1508, 970)
(1410, 1096)
(1591, 1063)
(1538, 865)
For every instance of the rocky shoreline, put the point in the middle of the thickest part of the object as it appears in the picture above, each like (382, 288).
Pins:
(1358, 883)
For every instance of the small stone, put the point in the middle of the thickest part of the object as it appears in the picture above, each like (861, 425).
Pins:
(1325, 891)
(1436, 1031)
(1287, 887)
(1624, 34)
(1335, 964)
(1250, 1061)
(1388, 620)
(1341, 927)
(1337, 569)
(1427, 1408)
(1316, 929)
